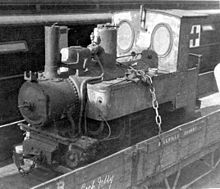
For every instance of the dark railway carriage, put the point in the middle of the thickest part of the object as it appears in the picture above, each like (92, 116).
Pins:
(18, 52)
(65, 6)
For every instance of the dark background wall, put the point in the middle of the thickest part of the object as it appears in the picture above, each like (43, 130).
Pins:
(52, 6)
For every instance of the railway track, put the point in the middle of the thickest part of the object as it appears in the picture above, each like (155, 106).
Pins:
(15, 123)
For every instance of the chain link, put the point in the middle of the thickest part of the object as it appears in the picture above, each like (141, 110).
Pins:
(141, 75)
(158, 119)
(155, 103)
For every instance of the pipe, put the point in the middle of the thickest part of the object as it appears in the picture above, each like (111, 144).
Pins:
(82, 92)
(80, 19)
(95, 2)
(108, 36)
(11, 77)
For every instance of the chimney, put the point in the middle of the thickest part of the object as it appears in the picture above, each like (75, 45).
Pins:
(52, 51)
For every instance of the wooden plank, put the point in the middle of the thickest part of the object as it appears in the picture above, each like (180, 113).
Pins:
(144, 161)
(154, 179)
(177, 144)
(206, 84)
(111, 172)
(192, 146)
(213, 128)
(192, 137)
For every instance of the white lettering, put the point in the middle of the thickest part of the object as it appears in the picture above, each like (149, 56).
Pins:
(100, 183)
(171, 139)
(191, 130)
(195, 36)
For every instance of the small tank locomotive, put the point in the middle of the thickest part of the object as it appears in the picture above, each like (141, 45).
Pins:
(103, 93)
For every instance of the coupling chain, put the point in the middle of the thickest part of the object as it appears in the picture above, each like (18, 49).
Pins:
(155, 103)
(135, 75)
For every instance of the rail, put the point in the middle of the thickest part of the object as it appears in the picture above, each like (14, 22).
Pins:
(11, 77)
(12, 123)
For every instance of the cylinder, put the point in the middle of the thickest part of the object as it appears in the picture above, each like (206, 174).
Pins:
(108, 36)
(52, 54)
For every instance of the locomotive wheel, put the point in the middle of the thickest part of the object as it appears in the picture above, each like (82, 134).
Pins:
(72, 158)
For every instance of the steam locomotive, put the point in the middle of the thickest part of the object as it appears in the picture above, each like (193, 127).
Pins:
(102, 95)
(21, 49)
